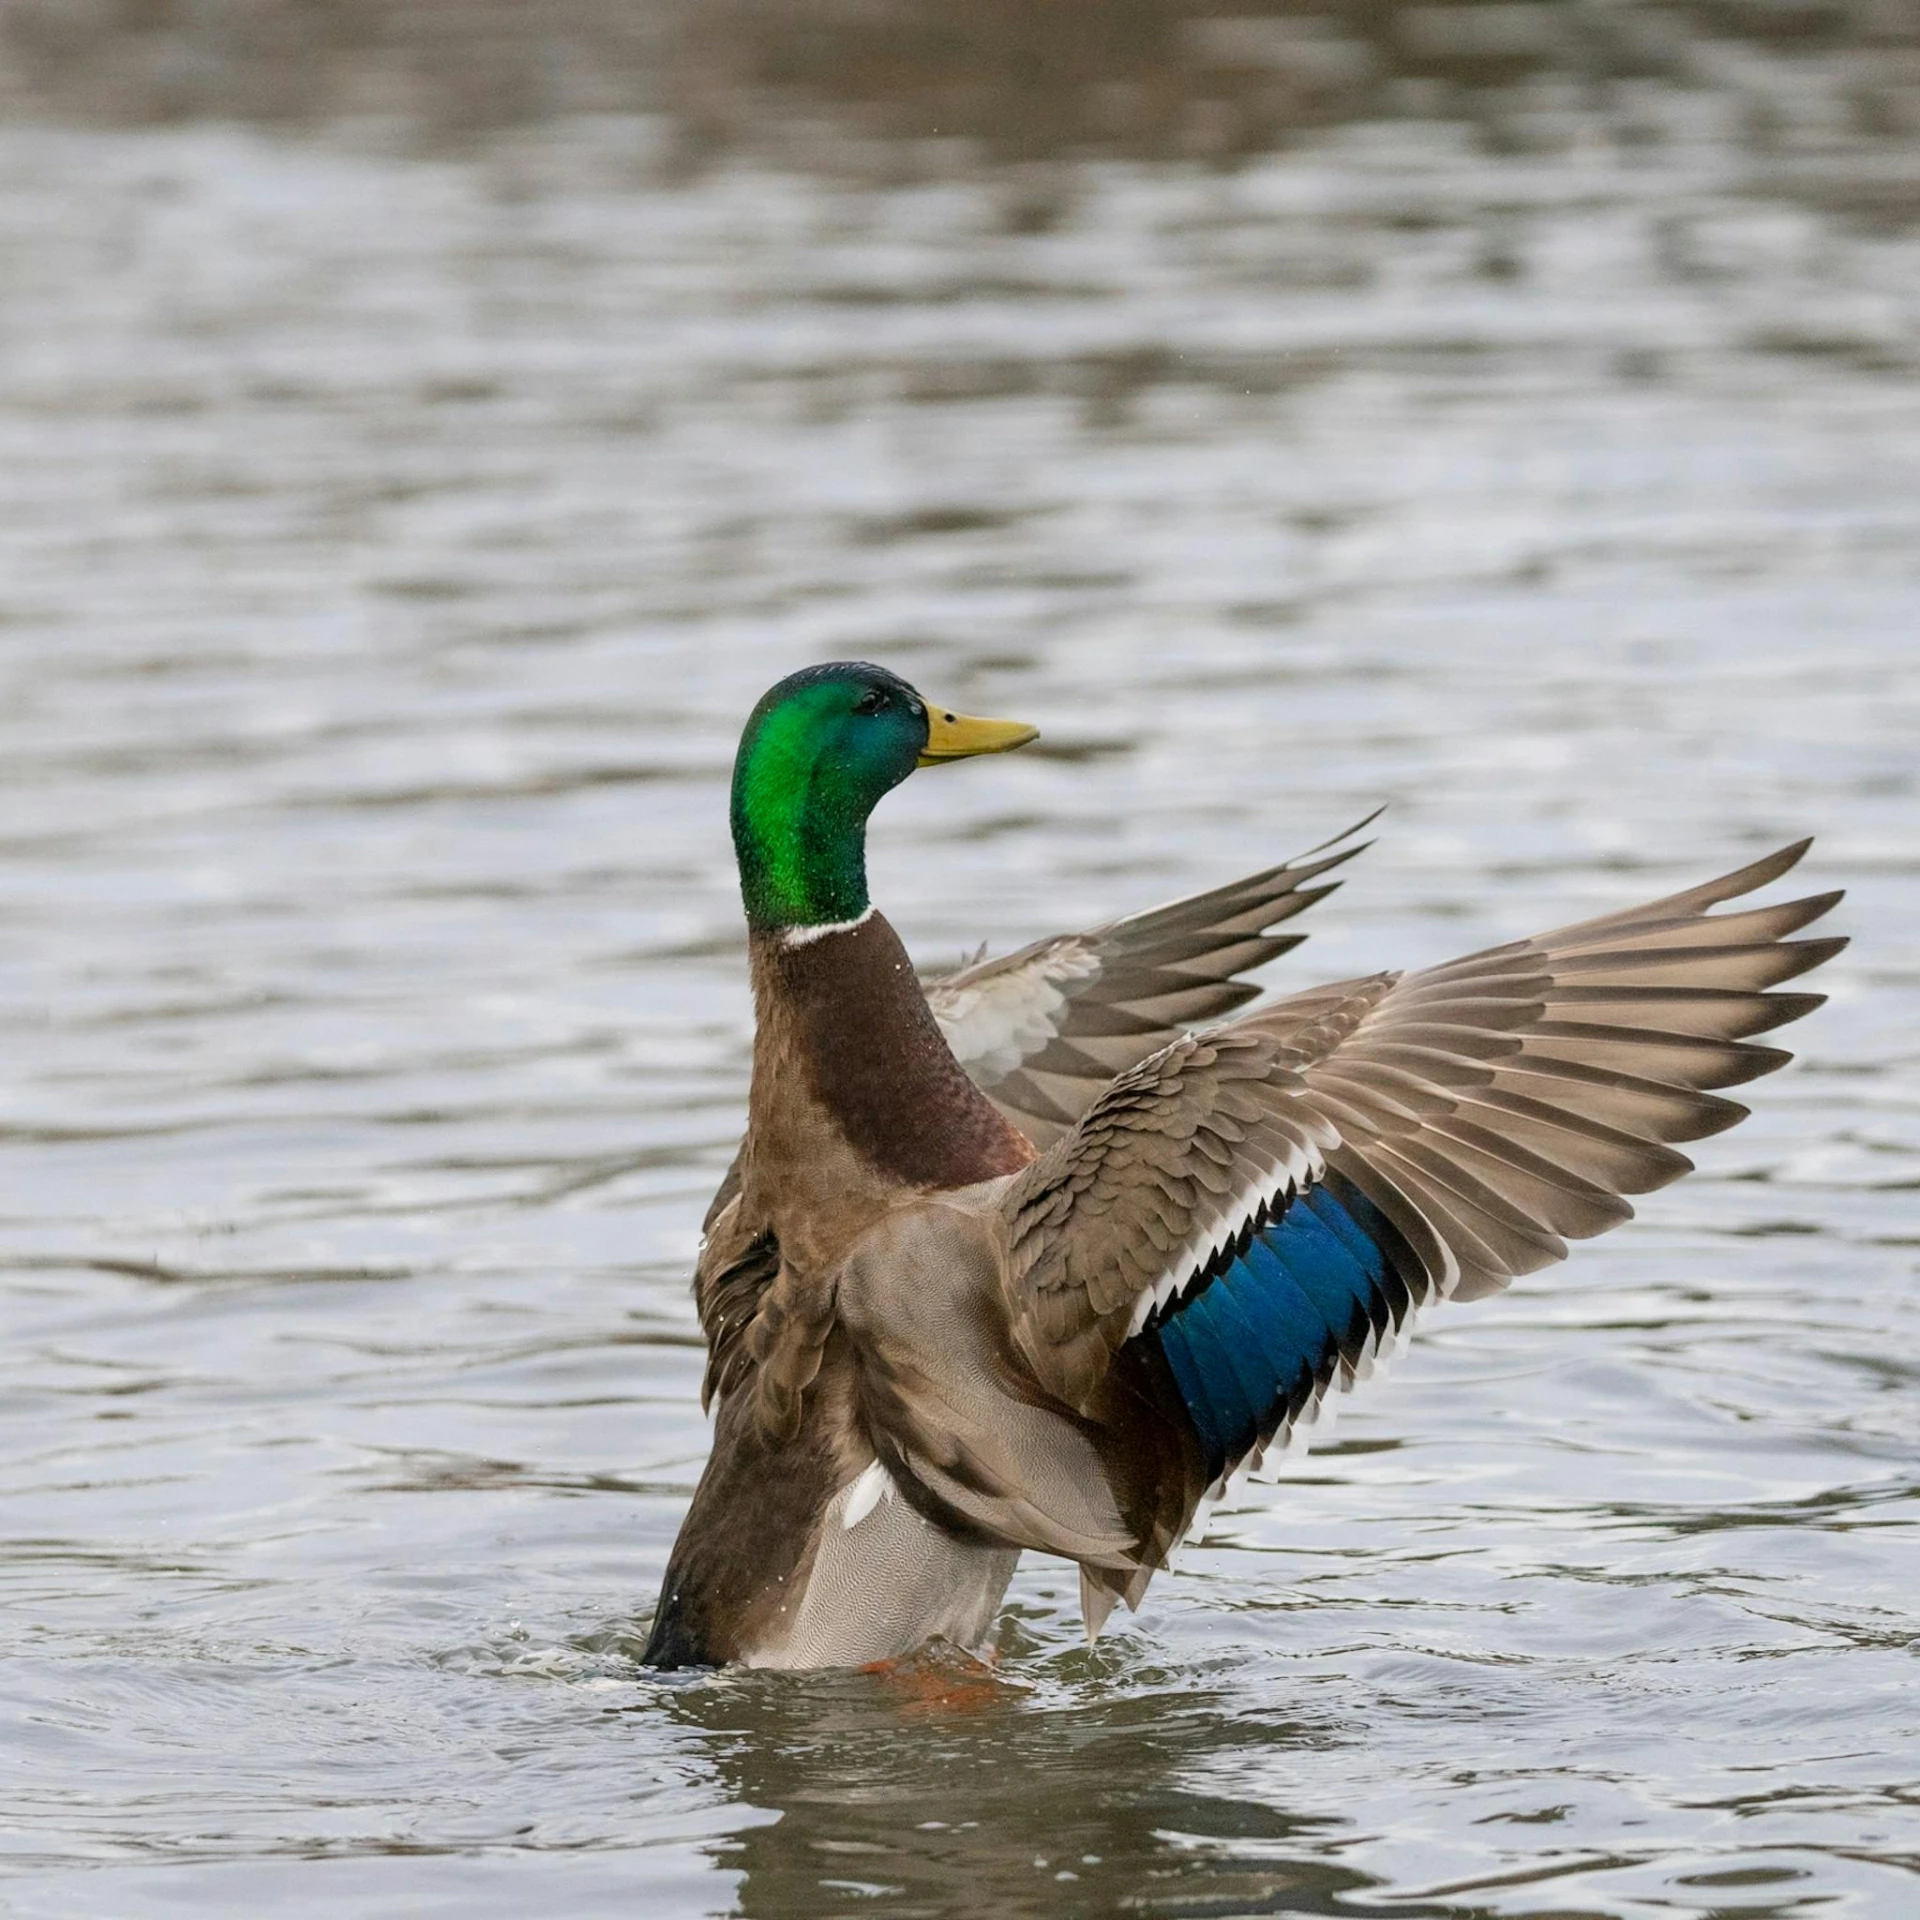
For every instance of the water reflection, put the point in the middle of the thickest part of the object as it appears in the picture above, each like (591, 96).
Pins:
(946, 1791)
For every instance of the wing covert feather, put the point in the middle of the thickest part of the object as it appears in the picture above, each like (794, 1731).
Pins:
(1042, 1031)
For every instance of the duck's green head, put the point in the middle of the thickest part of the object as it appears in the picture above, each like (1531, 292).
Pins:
(818, 752)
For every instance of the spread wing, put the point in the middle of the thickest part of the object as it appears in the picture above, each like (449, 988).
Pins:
(1042, 1031)
(1258, 1209)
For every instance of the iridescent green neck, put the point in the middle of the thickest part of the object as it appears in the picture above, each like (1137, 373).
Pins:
(799, 827)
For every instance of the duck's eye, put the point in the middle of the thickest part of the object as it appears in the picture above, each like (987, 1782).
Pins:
(871, 701)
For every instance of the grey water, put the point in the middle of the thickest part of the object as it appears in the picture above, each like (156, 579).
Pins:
(422, 436)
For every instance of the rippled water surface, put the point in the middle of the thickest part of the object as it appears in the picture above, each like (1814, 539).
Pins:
(1509, 413)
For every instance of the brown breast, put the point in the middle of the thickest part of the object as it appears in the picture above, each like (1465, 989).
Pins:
(857, 1098)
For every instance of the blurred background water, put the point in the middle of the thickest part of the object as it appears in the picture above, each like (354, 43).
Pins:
(425, 430)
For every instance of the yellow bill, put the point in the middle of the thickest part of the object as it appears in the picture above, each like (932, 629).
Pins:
(958, 736)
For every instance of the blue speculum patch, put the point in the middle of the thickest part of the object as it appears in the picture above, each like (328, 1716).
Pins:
(1249, 1344)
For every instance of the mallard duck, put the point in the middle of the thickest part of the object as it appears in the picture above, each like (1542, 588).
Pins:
(1034, 1260)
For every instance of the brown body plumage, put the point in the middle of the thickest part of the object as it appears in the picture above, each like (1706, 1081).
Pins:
(857, 1106)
